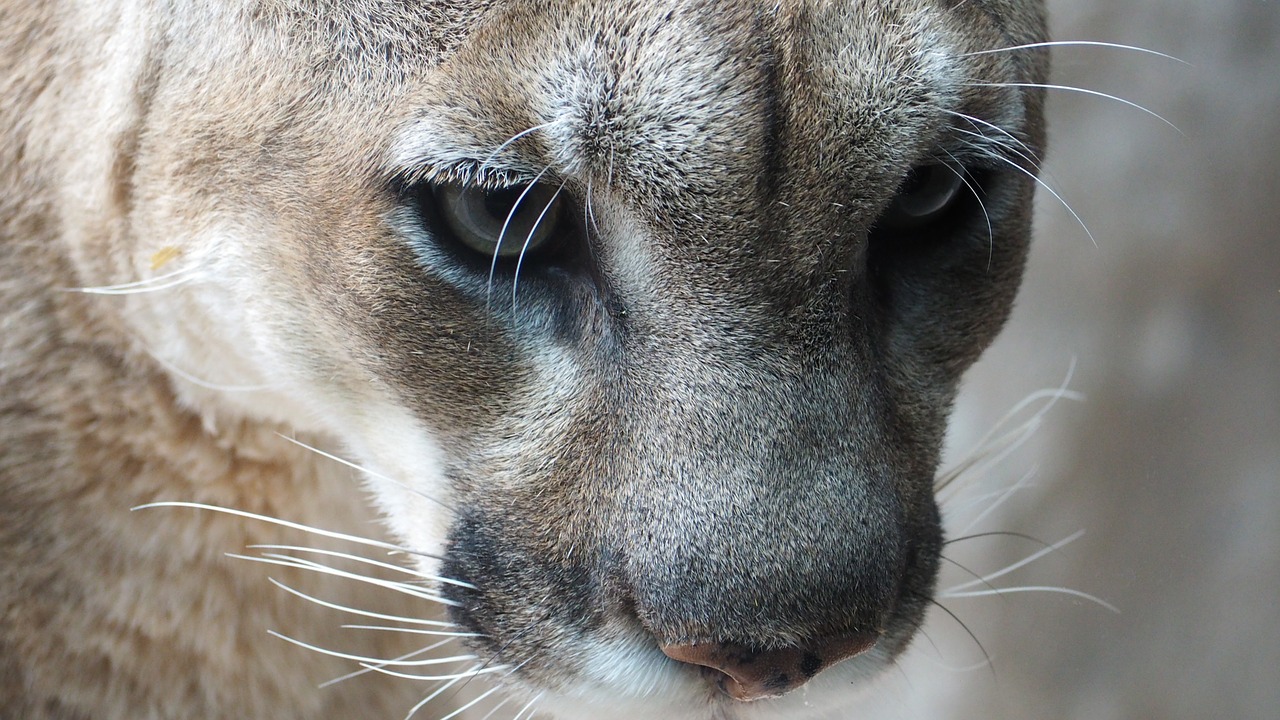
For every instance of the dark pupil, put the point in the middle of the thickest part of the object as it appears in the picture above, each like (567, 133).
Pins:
(498, 203)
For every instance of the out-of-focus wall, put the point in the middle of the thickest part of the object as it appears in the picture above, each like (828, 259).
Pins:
(1171, 465)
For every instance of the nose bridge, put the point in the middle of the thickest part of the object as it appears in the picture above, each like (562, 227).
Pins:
(765, 515)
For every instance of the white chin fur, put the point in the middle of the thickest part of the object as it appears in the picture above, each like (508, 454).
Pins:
(626, 680)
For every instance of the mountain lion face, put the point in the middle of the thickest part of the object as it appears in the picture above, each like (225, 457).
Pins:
(644, 318)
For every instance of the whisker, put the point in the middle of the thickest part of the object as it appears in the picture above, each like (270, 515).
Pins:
(502, 234)
(414, 631)
(1035, 588)
(368, 561)
(414, 710)
(159, 282)
(453, 676)
(1014, 439)
(986, 656)
(300, 564)
(1019, 564)
(365, 671)
(205, 383)
(513, 139)
(362, 613)
(1052, 192)
(986, 458)
(1077, 43)
(997, 533)
(1086, 91)
(1004, 496)
(375, 661)
(527, 707)
(380, 476)
(977, 121)
(496, 708)
(282, 523)
(991, 233)
(953, 562)
(515, 280)
(469, 705)
(1026, 156)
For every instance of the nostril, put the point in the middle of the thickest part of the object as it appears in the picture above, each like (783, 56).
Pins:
(746, 673)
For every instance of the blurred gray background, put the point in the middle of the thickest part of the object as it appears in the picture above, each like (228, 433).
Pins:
(1171, 463)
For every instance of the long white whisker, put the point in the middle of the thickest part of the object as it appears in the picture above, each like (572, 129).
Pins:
(393, 481)
(1077, 43)
(1004, 496)
(469, 705)
(986, 579)
(205, 383)
(300, 564)
(1015, 438)
(1026, 155)
(1035, 588)
(513, 139)
(362, 613)
(414, 631)
(368, 561)
(526, 707)
(991, 233)
(414, 710)
(281, 523)
(496, 708)
(365, 671)
(182, 275)
(375, 661)
(411, 676)
(1086, 91)
(137, 290)
(986, 458)
(1054, 193)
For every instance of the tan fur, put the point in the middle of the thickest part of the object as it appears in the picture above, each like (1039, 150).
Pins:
(703, 369)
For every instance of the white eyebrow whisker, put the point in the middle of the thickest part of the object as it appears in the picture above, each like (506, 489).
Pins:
(515, 281)
(498, 150)
(502, 234)
(1055, 194)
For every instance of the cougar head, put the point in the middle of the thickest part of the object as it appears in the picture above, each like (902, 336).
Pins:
(646, 318)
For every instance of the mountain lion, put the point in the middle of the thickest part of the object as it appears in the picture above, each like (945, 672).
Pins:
(641, 322)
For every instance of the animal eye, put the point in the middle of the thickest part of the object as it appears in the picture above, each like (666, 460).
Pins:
(926, 195)
(501, 223)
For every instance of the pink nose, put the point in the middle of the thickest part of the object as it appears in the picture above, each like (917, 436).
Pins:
(747, 674)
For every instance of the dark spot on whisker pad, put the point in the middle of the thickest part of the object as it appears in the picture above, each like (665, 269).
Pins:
(810, 664)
